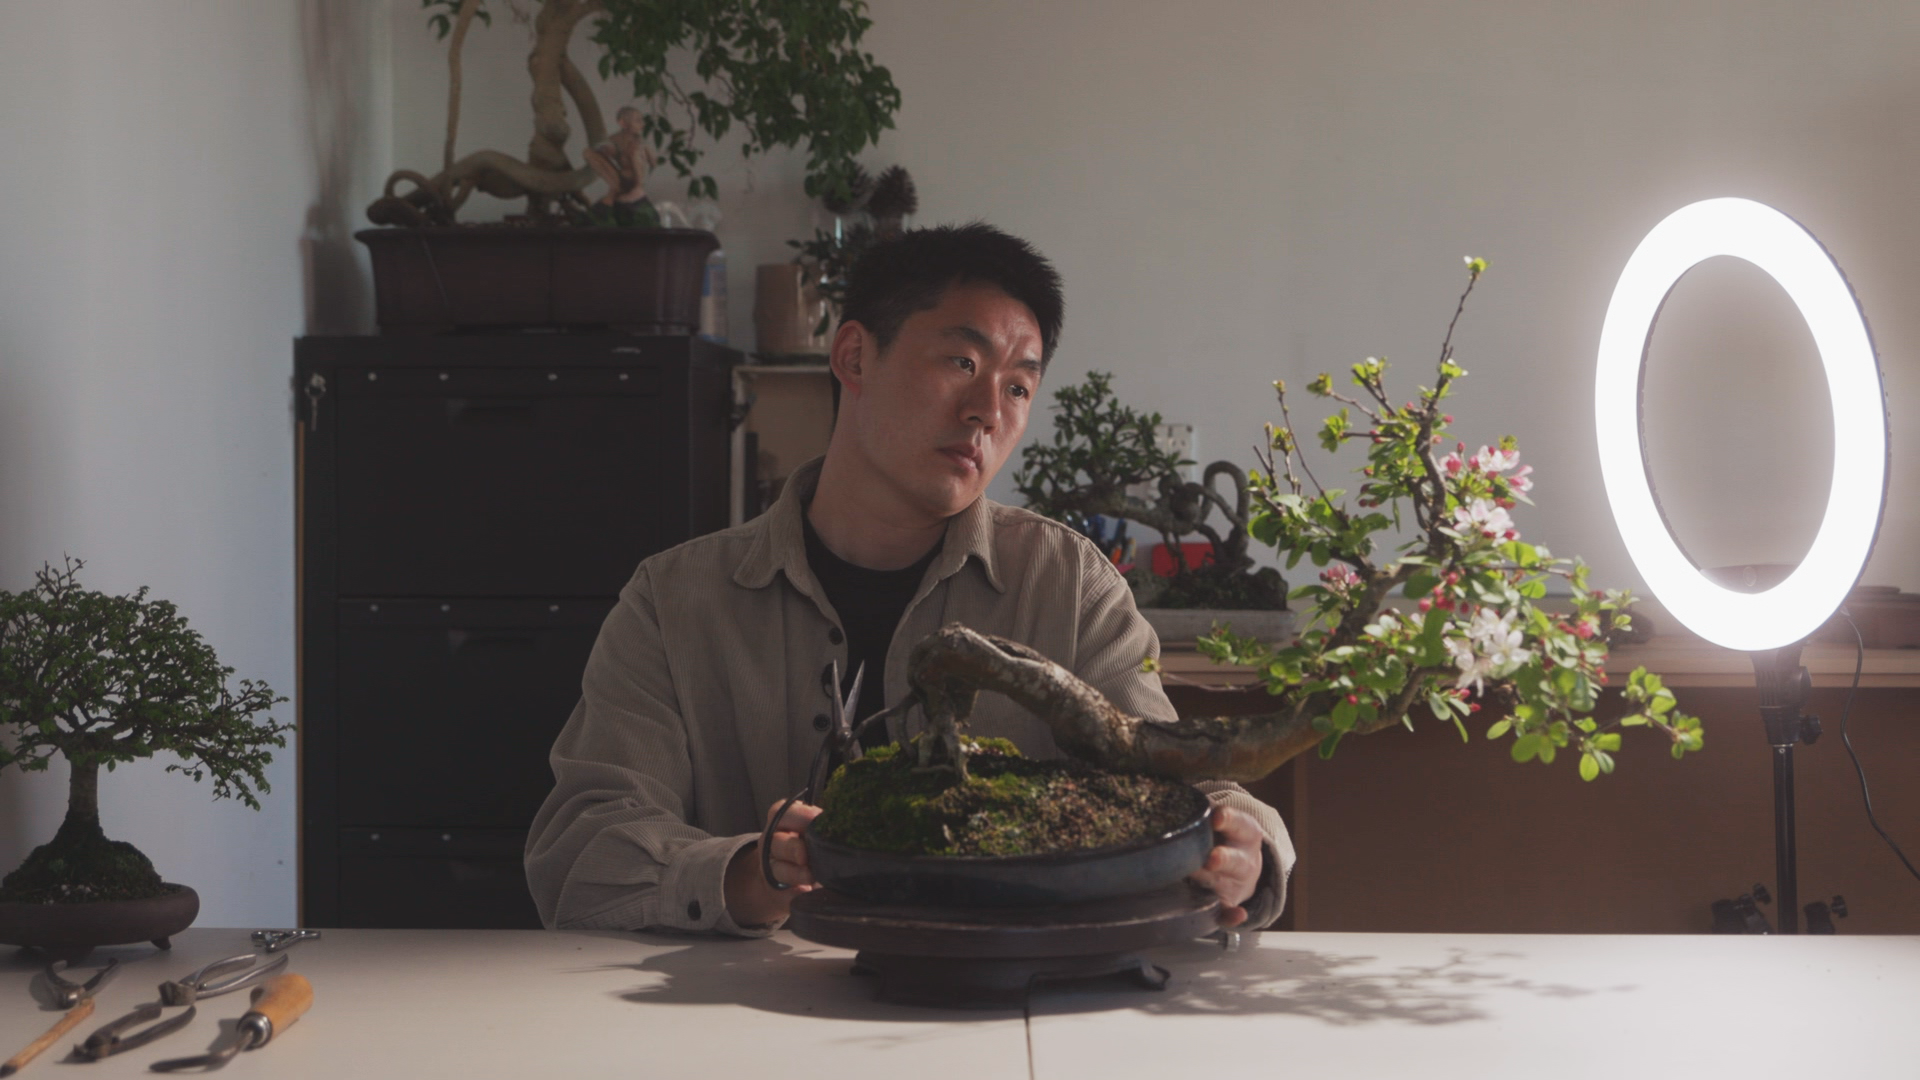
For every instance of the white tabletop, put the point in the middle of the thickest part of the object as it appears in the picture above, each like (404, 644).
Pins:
(535, 1004)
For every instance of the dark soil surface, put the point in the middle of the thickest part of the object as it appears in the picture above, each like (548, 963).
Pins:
(1010, 805)
(78, 865)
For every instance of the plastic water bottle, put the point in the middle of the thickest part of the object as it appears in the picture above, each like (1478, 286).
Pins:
(713, 285)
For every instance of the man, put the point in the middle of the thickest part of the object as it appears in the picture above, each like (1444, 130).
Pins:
(703, 700)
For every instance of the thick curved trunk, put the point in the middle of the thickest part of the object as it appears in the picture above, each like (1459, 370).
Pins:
(951, 664)
(553, 30)
(83, 798)
(454, 46)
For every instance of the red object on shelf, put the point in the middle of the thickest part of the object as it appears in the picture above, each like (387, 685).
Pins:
(1197, 555)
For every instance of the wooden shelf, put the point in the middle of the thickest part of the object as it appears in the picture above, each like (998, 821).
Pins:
(1679, 660)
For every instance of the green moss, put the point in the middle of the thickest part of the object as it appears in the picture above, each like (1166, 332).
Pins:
(78, 865)
(1010, 805)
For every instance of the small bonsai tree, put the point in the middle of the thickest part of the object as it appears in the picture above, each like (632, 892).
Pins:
(879, 208)
(1101, 451)
(786, 72)
(1466, 641)
(103, 680)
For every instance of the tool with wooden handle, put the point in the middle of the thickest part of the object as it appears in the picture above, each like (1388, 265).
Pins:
(67, 1023)
(277, 1003)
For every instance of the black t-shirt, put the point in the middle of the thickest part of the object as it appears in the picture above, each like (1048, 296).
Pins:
(870, 604)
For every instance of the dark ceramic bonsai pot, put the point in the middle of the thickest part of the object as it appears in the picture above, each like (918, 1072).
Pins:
(76, 929)
(1020, 881)
(447, 279)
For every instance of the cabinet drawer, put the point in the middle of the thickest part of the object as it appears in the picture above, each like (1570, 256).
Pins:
(434, 878)
(447, 709)
(504, 483)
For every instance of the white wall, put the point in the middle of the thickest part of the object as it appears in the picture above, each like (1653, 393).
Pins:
(171, 220)
(1242, 190)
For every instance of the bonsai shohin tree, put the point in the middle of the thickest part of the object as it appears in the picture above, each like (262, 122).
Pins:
(1101, 453)
(1464, 638)
(784, 72)
(102, 680)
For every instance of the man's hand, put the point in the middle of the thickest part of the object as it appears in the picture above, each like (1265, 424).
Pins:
(753, 902)
(1232, 869)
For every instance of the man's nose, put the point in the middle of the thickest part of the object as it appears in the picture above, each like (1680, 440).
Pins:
(982, 404)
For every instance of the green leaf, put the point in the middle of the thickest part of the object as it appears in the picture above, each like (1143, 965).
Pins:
(1529, 746)
(1589, 767)
(1499, 728)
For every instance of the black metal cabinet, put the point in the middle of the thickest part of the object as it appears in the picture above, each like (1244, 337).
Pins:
(469, 508)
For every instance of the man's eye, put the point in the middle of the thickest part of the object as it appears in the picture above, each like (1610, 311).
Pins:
(964, 363)
(1021, 391)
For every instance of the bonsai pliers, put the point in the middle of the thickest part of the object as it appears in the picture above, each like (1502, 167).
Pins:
(219, 977)
(842, 737)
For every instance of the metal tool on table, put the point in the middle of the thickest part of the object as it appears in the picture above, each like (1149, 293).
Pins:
(276, 940)
(76, 998)
(219, 977)
(277, 1003)
(842, 738)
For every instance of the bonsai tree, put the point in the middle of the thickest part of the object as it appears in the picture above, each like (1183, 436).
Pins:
(880, 207)
(103, 680)
(1101, 451)
(784, 71)
(1465, 642)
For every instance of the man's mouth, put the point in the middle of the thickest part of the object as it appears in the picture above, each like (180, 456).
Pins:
(965, 455)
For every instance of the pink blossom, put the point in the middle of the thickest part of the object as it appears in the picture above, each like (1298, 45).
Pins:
(1453, 463)
(1339, 577)
(1491, 461)
(1485, 517)
(1519, 481)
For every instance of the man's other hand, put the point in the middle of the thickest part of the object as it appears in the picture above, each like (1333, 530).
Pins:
(1232, 869)
(753, 902)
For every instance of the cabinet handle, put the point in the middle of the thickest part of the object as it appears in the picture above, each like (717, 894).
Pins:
(315, 390)
(461, 639)
(497, 411)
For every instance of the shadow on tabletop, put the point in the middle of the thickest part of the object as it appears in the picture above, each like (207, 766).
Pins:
(758, 973)
(1335, 989)
(1341, 990)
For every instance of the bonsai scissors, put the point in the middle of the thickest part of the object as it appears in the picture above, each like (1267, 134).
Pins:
(219, 977)
(842, 738)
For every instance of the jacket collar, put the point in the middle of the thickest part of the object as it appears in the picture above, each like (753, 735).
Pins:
(779, 545)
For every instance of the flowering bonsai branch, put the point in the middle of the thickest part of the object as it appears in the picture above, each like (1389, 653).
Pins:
(1468, 636)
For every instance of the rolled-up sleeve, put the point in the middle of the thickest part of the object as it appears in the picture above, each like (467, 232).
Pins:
(1114, 639)
(612, 849)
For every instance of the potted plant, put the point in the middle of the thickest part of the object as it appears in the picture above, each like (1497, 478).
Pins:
(783, 73)
(1105, 464)
(102, 680)
(1446, 625)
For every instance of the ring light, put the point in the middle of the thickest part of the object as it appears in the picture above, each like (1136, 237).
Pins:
(1783, 249)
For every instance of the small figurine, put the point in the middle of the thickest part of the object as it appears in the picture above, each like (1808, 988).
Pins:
(623, 161)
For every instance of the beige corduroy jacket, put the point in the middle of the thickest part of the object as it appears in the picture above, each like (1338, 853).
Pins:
(701, 701)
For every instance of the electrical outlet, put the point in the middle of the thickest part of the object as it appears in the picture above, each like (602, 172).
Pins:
(1179, 440)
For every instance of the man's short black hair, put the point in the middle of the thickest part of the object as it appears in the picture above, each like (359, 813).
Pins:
(895, 278)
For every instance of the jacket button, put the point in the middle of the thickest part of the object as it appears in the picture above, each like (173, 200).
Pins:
(821, 723)
(834, 635)
(693, 910)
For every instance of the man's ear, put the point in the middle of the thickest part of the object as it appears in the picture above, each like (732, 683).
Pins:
(852, 350)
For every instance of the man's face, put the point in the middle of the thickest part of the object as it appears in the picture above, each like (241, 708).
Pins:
(937, 414)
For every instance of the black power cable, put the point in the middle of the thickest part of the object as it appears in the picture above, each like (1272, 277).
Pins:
(1859, 663)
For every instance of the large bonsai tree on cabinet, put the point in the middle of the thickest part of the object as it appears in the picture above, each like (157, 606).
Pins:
(782, 72)
(103, 680)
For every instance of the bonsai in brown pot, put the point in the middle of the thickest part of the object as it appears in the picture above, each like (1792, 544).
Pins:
(102, 680)
(782, 73)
